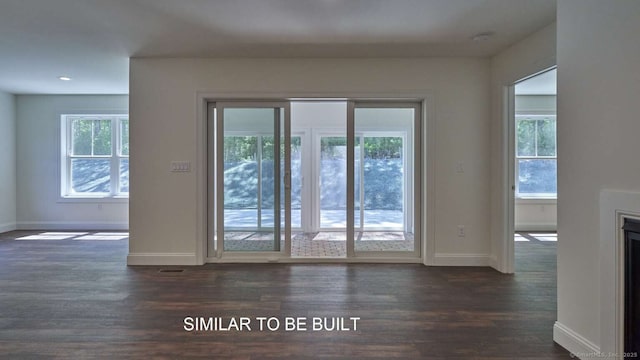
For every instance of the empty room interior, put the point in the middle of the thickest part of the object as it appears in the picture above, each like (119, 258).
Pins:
(334, 179)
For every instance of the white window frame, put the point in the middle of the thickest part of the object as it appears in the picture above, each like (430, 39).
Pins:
(534, 196)
(66, 156)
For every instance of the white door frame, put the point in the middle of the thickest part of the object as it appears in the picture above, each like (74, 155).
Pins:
(507, 250)
(217, 167)
(508, 126)
(425, 200)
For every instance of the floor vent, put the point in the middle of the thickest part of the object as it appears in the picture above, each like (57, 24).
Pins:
(171, 270)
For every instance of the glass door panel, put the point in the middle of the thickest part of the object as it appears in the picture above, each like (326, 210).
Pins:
(296, 182)
(383, 183)
(251, 177)
(241, 182)
(330, 238)
(333, 182)
(358, 190)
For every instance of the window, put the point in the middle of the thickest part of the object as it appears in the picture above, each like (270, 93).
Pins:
(95, 156)
(536, 156)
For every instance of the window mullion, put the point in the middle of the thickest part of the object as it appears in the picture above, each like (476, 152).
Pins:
(535, 137)
(69, 152)
(259, 168)
(114, 158)
(361, 182)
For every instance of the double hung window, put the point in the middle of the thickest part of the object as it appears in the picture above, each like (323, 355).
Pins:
(536, 156)
(95, 156)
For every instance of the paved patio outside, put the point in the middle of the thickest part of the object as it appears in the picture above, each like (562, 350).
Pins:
(333, 243)
(321, 244)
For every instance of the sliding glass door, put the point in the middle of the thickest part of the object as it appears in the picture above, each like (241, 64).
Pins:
(253, 179)
(386, 165)
(332, 182)
(347, 181)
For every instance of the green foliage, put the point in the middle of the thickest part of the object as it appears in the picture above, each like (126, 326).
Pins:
(374, 147)
(91, 137)
(244, 148)
(536, 132)
(82, 143)
(526, 138)
(546, 138)
(240, 148)
(124, 137)
(383, 147)
(330, 147)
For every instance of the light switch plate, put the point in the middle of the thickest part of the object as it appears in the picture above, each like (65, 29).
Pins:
(180, 166)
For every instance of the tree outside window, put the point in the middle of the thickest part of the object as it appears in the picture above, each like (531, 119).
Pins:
(536, 155)
(96, 160)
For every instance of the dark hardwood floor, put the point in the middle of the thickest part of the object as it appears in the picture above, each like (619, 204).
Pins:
(72, 299)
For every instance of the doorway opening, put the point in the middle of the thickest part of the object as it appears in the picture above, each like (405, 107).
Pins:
(534, 154)
(314, 179)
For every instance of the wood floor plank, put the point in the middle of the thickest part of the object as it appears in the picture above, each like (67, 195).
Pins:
(68, 299)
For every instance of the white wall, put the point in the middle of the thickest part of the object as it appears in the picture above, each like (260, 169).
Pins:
(7, 162)
(598, 87)
(536, 104)
(536, 214)
(529, 56)
(38, 174)
(164, 112)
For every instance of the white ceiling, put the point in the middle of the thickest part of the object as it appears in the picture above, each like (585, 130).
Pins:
(542, 84)
(92, 40)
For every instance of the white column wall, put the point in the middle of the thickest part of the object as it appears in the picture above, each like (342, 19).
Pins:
(598, 88)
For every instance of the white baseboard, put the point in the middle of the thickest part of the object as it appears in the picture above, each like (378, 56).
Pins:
(461, 259)
(162, 259)
(8, 227)
(536, 227)
(72, 225)
(574, 342)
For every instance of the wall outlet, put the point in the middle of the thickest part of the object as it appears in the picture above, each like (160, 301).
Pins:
(460, 167)
(461, 231)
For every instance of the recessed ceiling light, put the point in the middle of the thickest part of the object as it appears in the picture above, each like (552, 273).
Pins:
(64, 78)
(483, 36)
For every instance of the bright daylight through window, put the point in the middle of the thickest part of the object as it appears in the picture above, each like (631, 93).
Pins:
(95, 151)
(268, 168)
(536, 155)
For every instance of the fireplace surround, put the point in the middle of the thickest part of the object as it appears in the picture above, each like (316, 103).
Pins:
(616, 207)
(631, 334)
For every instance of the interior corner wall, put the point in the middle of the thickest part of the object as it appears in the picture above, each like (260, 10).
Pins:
(164, 128)
(7, 162)
(533, 54)
(38, 165)
(598, 87)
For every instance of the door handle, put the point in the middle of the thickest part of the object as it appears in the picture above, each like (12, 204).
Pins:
(287, 179)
